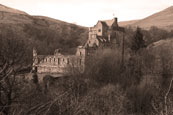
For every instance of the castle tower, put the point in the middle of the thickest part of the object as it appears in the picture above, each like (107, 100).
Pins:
(81, 51)
(35, 60)
(81, 54)
(57, 52)
(34, 52)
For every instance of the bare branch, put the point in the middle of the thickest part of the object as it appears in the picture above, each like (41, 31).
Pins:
(166, 96)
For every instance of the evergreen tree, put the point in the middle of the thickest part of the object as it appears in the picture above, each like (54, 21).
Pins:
(137, 41)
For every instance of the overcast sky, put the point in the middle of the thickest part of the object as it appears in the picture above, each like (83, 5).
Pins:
(88, 12)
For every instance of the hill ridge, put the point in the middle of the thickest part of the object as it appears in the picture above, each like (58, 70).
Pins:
(4, 8)
(44, 33)
(162, 19)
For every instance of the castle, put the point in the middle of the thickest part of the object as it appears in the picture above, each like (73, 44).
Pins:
(104, 34)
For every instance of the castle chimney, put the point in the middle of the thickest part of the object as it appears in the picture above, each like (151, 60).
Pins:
(116, 19)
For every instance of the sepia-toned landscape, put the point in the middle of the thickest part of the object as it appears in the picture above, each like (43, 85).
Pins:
(53, 67)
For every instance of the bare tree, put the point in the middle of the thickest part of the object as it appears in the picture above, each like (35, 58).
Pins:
(13, 59)
(166, 96)
(163, 103)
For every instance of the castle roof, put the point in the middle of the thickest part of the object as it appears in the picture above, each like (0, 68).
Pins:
(109, 22)
(103, 23)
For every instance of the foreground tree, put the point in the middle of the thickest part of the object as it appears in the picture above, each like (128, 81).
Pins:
(162, 102)
(13, 59)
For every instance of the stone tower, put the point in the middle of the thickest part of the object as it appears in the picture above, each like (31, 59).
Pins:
(81, 51)
(35, 60)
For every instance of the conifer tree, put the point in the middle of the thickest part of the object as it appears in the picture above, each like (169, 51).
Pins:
(137, 41)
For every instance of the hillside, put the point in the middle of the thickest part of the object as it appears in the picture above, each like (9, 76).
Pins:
(44, 33)
(11, 10)
(162, 44)
(127, 23)
(162, 48)
(162, 19)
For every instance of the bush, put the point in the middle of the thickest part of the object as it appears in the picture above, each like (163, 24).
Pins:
(104, 67)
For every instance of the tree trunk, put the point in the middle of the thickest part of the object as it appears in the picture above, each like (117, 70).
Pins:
(166, 96)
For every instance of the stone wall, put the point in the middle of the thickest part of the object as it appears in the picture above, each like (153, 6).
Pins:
(59, 63)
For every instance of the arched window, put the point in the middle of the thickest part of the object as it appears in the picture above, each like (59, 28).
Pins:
(68, 61)
(58, 60)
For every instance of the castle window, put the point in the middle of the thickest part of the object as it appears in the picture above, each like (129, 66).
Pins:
(54, 59)
(80, 53)
(80, 61)
(68, 61)
(58, 60)
(99, 30)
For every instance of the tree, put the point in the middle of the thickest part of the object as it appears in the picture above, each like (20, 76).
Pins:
(162, 102)
(137, 41)
(13, 58)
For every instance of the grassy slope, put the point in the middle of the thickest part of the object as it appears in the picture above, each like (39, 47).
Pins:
(127, 23)
(162, 48)
(45, 33)
(163, 19)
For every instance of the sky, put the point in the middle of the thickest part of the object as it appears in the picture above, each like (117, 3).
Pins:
(88, 12)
